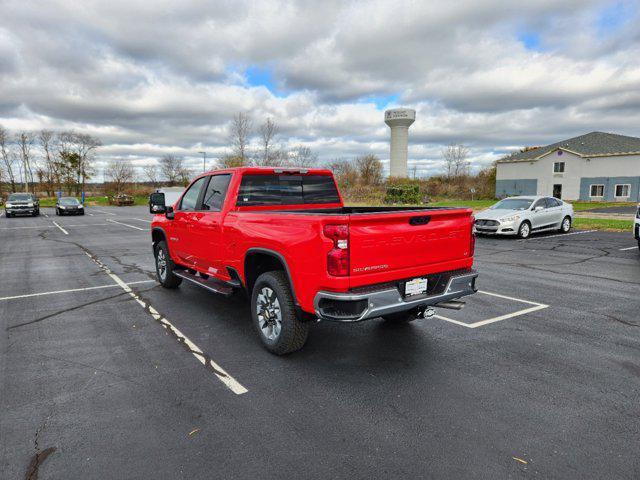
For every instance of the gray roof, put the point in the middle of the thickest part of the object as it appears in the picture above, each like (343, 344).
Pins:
(588, 145)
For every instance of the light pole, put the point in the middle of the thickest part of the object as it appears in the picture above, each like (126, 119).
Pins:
(204, 161)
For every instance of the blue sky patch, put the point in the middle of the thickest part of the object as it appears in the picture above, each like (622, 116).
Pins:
(531, 40)
(614, 17)
(381, 101)
(262, 76)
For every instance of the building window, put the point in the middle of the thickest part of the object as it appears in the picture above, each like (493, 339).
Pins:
(597, 191)
(558, 167)
(623, 190)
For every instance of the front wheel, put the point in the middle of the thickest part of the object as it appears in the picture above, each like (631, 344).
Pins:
(525, 230)
(565, 226)
(165, 267)
(274, 315)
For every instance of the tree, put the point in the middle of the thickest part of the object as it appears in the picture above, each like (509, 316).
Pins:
(119, 172)
(268, 131)
(230, 161)
(369, 169)
(171, 167)
(7, 158)
(345, 172)
(455, 158)
(47, 173)
(84, 147)
(24, 141)
(239, 133)
(303, 157)
(152, 174)
(67, 164)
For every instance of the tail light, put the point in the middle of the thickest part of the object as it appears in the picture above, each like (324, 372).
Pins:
(338, 256)
(472, 242)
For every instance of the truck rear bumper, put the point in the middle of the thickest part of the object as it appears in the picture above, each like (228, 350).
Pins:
(376, 301)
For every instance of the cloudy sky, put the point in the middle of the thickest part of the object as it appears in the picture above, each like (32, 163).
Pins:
(155, 77)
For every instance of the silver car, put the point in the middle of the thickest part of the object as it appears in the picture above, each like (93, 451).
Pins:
(523, 216)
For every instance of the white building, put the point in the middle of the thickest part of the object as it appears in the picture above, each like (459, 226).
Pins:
(595, 166)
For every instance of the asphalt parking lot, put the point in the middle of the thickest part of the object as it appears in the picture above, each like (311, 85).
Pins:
(538, 377)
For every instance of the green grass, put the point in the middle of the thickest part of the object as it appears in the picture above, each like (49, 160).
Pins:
(609, 225)
(96, 201)
(581, 206)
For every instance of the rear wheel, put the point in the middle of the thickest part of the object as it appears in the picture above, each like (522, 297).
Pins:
(525, 230)
(165, 267)
(274, 314)
(8, 215)
(399, 318)
(565, 226)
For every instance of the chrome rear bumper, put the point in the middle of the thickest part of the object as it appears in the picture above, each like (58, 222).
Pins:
(356, 306)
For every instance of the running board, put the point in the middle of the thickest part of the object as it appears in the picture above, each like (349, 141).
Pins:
(211, 284)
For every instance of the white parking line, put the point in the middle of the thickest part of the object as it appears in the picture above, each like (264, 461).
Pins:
(205, 360)
(90, 214)
(125, 224)
(141, 219)
(561, 235)
(536, 306)
(630, 248)
(102, 211)
(47, 226)
(70, 290)
(46, 215)
(61, 229)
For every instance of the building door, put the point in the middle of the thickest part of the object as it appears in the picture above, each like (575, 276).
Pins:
(557, 191)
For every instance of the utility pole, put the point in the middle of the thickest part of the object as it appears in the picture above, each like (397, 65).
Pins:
(204, 161)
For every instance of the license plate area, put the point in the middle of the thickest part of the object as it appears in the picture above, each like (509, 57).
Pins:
(415, 287)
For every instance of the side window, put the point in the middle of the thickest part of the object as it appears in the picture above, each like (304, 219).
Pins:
(190, 198)
(216, 192)
(540, 203)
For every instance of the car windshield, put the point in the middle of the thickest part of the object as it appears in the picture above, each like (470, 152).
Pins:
(19, 197)
(512, 204)
(69, 201)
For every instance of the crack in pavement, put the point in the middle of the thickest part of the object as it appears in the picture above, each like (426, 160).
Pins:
(40, 456)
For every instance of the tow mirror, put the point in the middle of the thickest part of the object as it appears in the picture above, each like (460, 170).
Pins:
(156, 203)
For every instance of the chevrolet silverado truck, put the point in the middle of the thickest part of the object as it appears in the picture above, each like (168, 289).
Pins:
(285, 237)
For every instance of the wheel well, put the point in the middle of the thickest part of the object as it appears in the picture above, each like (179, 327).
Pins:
(157, 236)
(257, 263)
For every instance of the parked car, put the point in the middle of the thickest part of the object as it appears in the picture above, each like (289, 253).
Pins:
(69, 206)
(523, 216)
(285, 237)
(22, 204)
(636, 226)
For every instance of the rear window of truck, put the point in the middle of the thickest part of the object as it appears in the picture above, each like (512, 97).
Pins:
(287, 190)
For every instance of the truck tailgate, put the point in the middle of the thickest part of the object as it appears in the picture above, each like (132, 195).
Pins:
(397, 242)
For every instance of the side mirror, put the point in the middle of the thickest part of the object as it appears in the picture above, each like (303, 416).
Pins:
(538, 208)
(156, 203)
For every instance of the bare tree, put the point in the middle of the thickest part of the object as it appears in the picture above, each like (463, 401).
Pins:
(240, 131)
(84, 147)
(119, 172)
(369, 169)
(7, 157)
(345, 172)
(173, 169)
(303, 157)
(455, 158)
(152, 174)
(25, 142)
(268, 131)
(414, 171)
(48, 173)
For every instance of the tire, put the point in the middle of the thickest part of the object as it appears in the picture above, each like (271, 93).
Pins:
(8, 215)
(165, 266)
(524, 231)
(272, 306)
(82, 212)
(565, 226)
(400, 317)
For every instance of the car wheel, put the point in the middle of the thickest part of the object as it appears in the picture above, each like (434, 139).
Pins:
(8, 214)
(165, 267)
(400, 318)
(525, 230)
(82, 212)
(274, 314)
(565, 226)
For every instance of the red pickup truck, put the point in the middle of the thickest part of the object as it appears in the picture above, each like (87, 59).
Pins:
(285, 237)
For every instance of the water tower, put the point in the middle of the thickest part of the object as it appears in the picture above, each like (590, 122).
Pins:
(399, 120)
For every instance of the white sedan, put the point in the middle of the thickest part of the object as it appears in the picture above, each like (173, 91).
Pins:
(523, 216)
